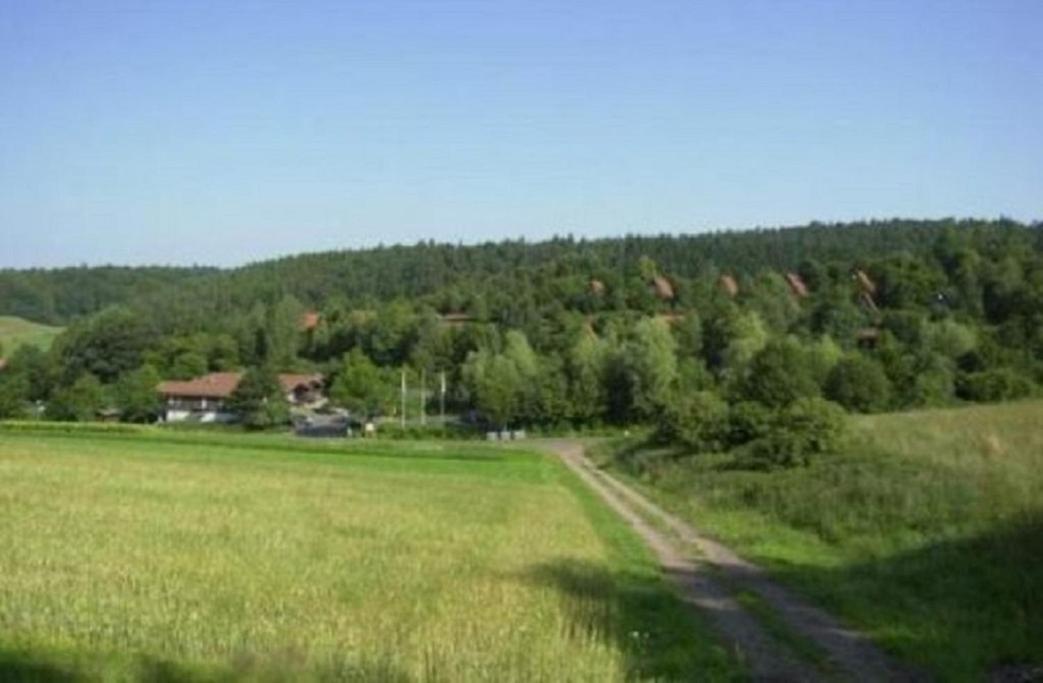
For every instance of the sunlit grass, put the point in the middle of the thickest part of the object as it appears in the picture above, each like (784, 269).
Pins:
(15, 332)
(136, 557)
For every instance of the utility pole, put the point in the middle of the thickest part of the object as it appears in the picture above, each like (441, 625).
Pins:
(402, 418)
(442, 400)
(423, 396)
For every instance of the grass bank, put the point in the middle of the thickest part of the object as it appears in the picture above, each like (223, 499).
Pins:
(166, 556)
(926, 531)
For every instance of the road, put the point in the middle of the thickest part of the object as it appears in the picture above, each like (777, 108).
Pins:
(710, 581)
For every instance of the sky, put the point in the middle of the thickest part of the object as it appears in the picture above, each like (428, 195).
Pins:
(226, 132)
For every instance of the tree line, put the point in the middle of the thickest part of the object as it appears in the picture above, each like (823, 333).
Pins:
(665, 330)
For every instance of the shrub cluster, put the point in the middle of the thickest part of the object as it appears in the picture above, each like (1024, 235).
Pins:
(1000, 384)
(761, 436)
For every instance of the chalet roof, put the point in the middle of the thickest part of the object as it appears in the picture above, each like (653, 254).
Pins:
(291, 381)
(223, 384)
(214, 385)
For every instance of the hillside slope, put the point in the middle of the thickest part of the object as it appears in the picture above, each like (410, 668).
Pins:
(366, 276)
(925, 532)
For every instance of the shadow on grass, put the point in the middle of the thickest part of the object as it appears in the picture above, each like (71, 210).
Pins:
(279, 443)
(640, 616)
(970, 609)
(21, 667)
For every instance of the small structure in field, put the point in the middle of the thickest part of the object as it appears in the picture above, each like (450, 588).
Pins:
(205, 399)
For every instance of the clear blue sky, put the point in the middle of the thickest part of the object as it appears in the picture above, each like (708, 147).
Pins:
(222, 132)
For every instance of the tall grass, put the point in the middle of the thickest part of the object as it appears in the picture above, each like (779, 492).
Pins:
(927, 530)
(168, 557)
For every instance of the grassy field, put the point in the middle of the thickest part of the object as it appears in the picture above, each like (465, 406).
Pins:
(156, 556)
(927, 531)
(15, 332)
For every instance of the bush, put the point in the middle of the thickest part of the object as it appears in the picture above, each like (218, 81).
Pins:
(77, 403)
(259, 400)
(1001, 384)
(806, 428)
(698, 420)
(747, 421)
(859, 383)
(779, 374)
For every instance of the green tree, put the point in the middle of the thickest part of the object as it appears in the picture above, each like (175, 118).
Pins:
(697, 420)
(105, 345)
(585, 370)
(779, 374)
(136, 396)
(79, 402)
(38, 370)
(651, 357)
(259, 399)
(859, 383)
(14, 395)
(361, 386)
(806, 428)
(496, 384)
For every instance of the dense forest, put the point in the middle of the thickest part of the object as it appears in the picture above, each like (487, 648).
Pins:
(872, 316)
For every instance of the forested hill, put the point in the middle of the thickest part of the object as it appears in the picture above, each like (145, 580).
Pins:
(874, 316)
(472, 277)
(59, 295)
(409, 271)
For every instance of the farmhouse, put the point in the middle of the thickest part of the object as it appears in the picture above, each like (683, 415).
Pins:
(205, 399)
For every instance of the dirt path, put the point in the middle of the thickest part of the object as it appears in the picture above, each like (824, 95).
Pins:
(848, 653)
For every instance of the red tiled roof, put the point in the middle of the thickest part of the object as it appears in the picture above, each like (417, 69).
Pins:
(214, 385)
(290, 381)
(223, 384)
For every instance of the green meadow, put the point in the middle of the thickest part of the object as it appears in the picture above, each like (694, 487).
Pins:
(15, 332)
(157, 556)
(926, 531)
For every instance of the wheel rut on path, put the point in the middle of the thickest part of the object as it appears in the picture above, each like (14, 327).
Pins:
(707, 583)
